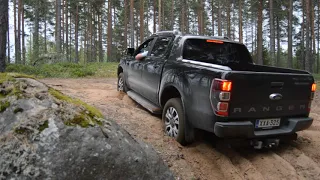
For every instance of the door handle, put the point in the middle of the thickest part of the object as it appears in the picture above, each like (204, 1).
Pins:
(277, 84)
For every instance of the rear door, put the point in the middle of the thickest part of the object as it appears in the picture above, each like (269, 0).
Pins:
(152, 67)
(269, 95)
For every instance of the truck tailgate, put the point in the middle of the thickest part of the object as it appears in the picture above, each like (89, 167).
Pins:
(269, 95)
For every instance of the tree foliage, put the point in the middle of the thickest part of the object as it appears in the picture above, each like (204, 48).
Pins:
(280, 33)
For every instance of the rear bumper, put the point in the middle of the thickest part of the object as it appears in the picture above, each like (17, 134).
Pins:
(246, 129)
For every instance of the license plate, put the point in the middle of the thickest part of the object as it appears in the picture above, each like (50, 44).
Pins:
(268, 123)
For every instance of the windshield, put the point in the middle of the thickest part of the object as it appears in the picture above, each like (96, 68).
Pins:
(216, 52)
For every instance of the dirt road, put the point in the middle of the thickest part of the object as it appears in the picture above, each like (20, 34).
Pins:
(202, 160)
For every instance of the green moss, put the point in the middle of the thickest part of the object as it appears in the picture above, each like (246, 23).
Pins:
(86, 118)
(81, 120)
(4, 105)
(43, 126)
(20, 130)
(11, 77)
(4, 77)
(17, 110)
(14, 88)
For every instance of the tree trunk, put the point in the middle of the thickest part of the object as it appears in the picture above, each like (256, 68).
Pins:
(219, 20)
(90, 35)
(141, 20)
(318, 56)
(93, 37)
(154, 16)
(160, 16)
(201, 14)
(9, 48)
(212, 16)
(76, 34)
(3, 33)
(240, 22)
(259, 33)
(272, 34)
(45, 35)
(125, 24)
(313, 47)
(62, 26)
(58, 45)
(100, 35)
(228, 19)
(289, 63)
(172, 15)
(199, 17)
(308, 60)
(109, 48)
(132, 23)
(16, 47)
(36, 33)
(303, 60)
(67, 30)
(278, 42)
(183, 16)
(18, 54)
(23, 35)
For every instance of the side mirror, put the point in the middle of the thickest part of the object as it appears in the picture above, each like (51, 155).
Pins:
(130, 51)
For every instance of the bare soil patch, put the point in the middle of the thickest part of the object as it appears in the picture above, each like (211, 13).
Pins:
(202, 160)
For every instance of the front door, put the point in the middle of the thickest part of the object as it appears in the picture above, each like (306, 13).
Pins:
(152, 68)
(135, 67)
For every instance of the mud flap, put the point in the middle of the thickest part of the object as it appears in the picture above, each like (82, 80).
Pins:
(189, 132)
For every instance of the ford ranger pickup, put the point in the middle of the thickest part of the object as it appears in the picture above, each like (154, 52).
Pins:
(212, 84)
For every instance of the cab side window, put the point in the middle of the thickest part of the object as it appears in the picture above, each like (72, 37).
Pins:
(144, 47)
(161, 46)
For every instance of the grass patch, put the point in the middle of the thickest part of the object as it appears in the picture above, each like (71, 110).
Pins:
(66, 70)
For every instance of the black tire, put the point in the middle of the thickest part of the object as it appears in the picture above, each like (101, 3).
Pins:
(122, 87)
(185, 133)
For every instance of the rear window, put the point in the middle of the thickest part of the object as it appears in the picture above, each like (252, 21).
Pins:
(216, 52)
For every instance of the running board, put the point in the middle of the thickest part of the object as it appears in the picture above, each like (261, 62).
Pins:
(144, 102)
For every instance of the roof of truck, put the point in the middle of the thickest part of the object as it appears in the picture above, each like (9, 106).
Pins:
(178, 33)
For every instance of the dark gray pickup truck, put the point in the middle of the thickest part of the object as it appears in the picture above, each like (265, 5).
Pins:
(212, 84)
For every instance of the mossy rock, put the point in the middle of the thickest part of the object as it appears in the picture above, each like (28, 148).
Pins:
(4, 77)
(43, 126)
(88, 117)
(4, 105)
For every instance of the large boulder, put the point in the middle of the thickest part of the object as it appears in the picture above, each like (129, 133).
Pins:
(47, 135)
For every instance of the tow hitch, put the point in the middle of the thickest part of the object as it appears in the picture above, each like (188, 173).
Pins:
(266, 143)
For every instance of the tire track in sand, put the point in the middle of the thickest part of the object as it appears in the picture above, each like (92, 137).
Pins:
(270, 165)
(304, 165)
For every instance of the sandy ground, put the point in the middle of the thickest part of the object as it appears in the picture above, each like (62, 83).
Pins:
(203, 159)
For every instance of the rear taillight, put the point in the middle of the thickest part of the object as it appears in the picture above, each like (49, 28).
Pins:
(222, 85)
(313, 90)
(314, 87)
(220, 96)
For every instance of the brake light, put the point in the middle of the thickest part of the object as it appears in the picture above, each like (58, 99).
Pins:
(222, 85)
(215, 41)
(220, 96)
(313, 87)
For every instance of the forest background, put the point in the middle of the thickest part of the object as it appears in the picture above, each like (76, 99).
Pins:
(86, 35)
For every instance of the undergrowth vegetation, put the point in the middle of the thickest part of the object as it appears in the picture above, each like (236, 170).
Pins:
(66, 70)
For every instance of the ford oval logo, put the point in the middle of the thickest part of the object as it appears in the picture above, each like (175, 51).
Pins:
(275, 97)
